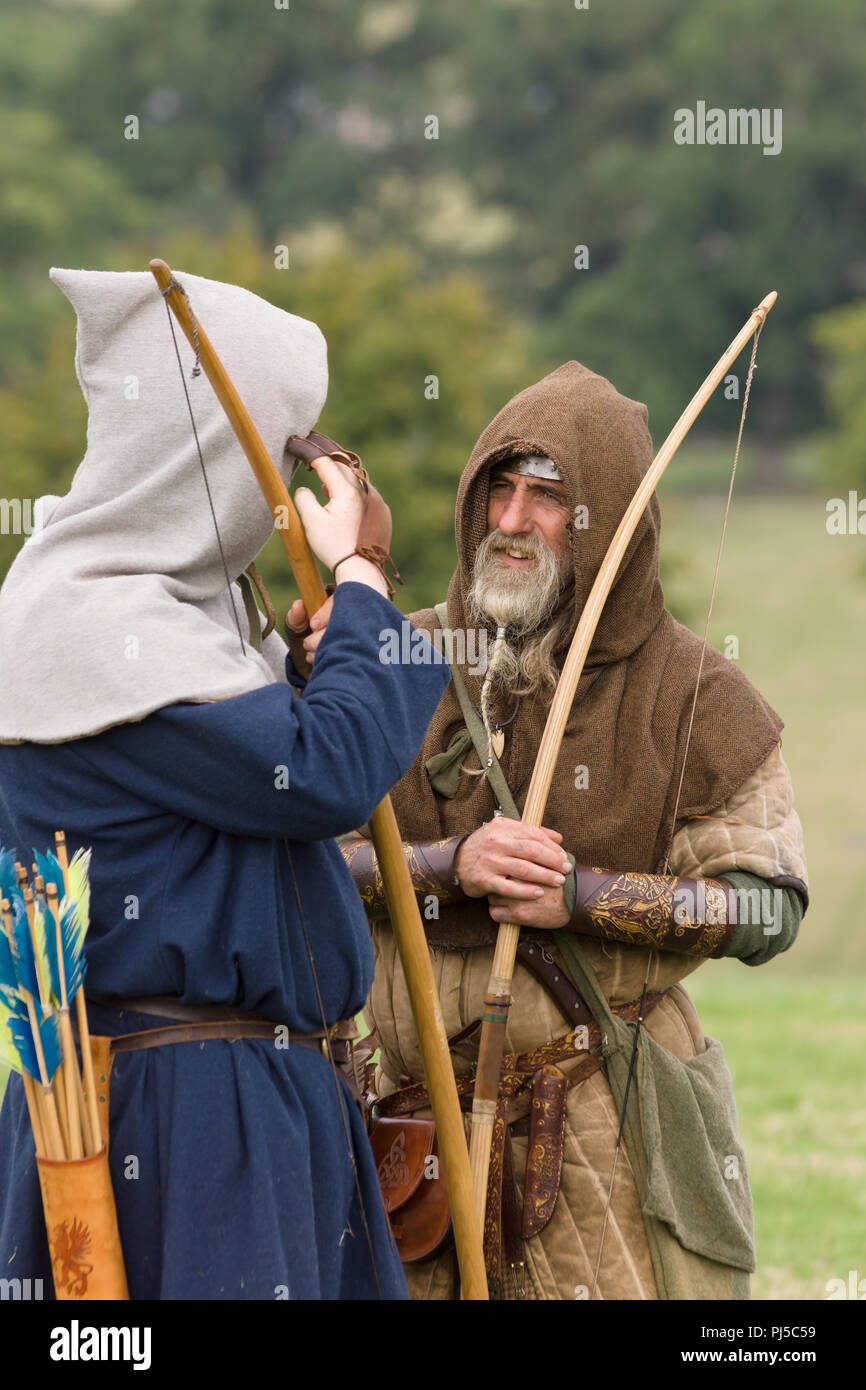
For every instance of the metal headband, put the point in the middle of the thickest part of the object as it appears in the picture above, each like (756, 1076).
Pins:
(531, 465)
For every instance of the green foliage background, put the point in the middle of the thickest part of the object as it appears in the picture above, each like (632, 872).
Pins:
(453, 258)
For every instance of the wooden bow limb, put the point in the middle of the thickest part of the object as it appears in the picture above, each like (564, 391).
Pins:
(402, 903)
(498, 998)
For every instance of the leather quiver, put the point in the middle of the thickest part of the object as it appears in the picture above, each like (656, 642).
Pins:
(413, 1188)
(80, 1213)
(80, 1217)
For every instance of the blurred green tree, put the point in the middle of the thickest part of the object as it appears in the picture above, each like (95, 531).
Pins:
(553, 129)
(417, 371)
(841, 337)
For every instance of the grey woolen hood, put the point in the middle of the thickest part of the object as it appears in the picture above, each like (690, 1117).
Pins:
(118, 604)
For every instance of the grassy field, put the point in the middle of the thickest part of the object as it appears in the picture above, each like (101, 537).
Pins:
(795, 599)
(796, 1050)
(794, 1031)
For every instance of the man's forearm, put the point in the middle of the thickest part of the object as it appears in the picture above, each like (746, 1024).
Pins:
(695, 916)
(431, 865)
(749, 918)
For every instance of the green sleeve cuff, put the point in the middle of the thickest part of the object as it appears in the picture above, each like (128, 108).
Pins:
(768, 920)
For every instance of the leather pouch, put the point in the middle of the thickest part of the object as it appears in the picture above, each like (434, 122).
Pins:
(413, 1188)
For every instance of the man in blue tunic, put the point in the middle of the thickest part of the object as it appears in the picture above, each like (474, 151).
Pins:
(144, 712)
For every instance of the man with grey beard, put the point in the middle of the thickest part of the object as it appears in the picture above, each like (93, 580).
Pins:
(521, 573)
(518, 576)
(656, 824)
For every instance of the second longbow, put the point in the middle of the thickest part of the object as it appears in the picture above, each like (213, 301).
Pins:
(498, 999)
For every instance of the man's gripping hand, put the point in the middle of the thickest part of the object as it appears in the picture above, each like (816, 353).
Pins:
(521, 868)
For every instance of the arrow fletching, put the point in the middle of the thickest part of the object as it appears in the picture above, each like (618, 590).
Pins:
(8, 1051)
(22, 949)
(18, 1024)
(79, 891)
(68, 966)
(8, 972)
(50, 870)
(67, 969)
(8, 876)
(51, 953)
(41, 957)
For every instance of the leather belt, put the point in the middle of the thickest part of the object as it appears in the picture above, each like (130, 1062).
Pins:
(166, 1006)
(204, 1022)
(533, 1094)
(202, 1032)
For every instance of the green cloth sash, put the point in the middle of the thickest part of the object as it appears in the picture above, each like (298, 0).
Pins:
(680, 1132)
(443, 769)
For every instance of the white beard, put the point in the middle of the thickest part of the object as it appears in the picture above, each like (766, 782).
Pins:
(519, 602)
(516, 599)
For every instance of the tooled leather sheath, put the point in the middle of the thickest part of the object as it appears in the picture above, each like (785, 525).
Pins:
(544, 1155)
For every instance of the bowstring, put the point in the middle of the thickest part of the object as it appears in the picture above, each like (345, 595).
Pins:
(705, 642)
(651, 952)
(196, 371)
(622, 1118)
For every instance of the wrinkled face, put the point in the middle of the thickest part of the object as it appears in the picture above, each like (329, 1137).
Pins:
(520, 506)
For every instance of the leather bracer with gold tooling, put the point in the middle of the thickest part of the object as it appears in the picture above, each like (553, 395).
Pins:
(696, 916)
(430, 864)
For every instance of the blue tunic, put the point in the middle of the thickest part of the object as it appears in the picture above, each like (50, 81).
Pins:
(230, 1160)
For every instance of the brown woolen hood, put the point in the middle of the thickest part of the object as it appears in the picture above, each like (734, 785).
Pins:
(601, 445)
(614, 791)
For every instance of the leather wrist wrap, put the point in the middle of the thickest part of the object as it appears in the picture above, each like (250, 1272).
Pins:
(378, 556)
(431, 866)
(696, 916)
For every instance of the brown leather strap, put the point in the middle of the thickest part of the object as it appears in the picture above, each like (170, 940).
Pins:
(504, 1256)
(167, 1006)
(204, 1022)
(378, 556)
(536, 957)
(518, 1068)
(332, 448)
(270, 612)
(467, 1042)
(512, 1244)
(519, 1112)
(316, 445)
(205, 1032)
(100, 1051)
(493, 1209)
